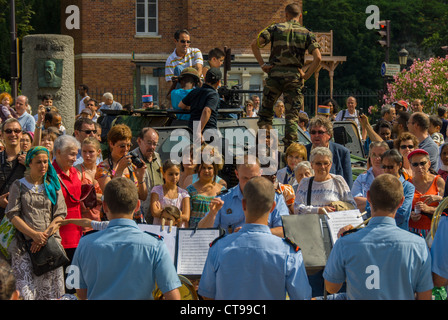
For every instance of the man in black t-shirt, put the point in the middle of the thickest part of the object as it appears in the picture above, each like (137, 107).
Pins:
(203, 102)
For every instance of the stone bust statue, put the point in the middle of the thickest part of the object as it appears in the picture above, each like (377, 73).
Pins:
(48, 77)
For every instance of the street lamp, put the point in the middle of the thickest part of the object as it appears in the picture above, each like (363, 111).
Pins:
(403, 57)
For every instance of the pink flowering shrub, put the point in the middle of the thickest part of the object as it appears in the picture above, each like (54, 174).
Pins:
(426, 80)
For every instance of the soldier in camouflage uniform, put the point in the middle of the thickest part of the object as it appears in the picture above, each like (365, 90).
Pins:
(289, 42)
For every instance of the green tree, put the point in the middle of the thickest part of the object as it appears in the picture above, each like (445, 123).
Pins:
(32, 16)
(419, 26)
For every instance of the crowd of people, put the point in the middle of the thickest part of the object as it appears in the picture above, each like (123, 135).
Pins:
(44, 172)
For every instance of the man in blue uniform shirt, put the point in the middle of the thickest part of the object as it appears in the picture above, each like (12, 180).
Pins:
(122, 262)
(439, 253)
(226, 211)
(381, 261)
(253, 264)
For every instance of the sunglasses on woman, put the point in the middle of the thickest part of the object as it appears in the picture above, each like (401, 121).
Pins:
(402, 147)
(416, 164)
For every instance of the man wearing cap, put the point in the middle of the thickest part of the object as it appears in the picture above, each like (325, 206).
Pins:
(86, 113)
(147, 101)
(203, 103)
(400, 106)
(289, 43)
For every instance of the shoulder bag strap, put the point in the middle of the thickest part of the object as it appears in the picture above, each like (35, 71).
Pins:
(71, 196)
(308, 195)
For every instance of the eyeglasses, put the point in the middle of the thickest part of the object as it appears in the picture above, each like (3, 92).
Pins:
(320, 132)
(416, 164)
(402, 147)
(89, 131)
(323, 164)
(16, 131)
(185, 41)
(388, 167)
(151, 143)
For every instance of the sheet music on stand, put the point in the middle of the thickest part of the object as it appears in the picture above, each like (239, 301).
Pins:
(337, 220)
(188, 247)
(169, 238)
(192, 249)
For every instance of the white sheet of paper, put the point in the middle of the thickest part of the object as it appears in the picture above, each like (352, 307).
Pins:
(341, 219)
(192, 249)
(168, 237)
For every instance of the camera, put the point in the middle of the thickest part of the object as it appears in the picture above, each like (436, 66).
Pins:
(136, 160)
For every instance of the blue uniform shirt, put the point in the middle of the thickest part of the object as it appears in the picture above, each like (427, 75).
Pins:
(123, 263)
(439, 251)
(231, 215)
(380, 261)
(404, 212)
(253, 264)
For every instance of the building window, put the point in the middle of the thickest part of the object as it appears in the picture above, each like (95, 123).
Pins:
(256, 82)
(150, 85)
(147, 18)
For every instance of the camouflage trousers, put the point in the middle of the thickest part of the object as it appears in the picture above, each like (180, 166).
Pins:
(291, 88)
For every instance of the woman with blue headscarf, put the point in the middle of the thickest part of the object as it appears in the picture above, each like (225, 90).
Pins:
(36, 207)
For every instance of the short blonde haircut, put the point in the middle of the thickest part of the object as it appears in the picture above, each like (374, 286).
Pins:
(296, 148)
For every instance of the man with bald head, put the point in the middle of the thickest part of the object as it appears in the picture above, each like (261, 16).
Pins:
(418, 125)
(26, 120)
(254, 264)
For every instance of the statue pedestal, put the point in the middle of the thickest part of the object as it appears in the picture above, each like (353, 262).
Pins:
(48, 67)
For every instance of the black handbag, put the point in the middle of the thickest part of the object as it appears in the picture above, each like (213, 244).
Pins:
(49, 257)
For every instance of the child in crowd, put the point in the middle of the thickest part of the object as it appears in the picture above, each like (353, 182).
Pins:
(47, 140)
(6, 111)
(303, 123)
(188, 79)
(90, 150)
(26, 141)
(295, 154)
(169, 194)
(443, 171)
(435, 124)
(215, 60)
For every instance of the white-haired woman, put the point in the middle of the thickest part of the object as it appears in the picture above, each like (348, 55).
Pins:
(325, 189)
(302, 170)
(316, 194)
(65, 151)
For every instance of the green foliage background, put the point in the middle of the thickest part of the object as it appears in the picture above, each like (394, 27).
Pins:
(32, 17)
(419, 26)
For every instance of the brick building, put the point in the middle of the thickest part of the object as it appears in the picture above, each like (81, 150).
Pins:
(120, 41)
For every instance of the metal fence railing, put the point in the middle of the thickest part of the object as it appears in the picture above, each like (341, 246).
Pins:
(364, 98)
(123, 96)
